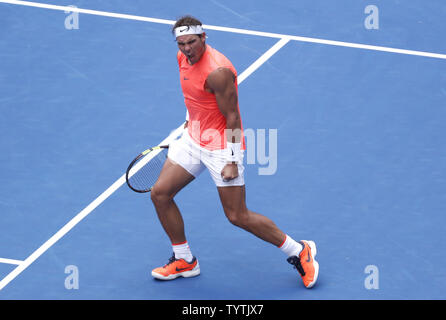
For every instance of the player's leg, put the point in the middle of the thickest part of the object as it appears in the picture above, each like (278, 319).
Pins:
(172, 179)
(300, 254)
(233, 201)
(232, 195)
(179, 170)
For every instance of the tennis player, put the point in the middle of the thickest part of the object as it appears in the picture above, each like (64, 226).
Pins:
(213, 140)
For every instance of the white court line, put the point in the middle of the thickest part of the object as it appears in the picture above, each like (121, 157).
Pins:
(88, 11)
(233, 30)
(73, 222)
(268, 54)
(118, 183)
(10, 261)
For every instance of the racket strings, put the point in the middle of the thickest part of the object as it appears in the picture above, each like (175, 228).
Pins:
(145, 178)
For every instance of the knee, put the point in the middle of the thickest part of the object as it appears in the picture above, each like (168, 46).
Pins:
(159, 196)
(238, 218)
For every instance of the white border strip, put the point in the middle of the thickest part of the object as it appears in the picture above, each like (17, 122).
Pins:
(22, 265)
(233, 30)
(10, 261)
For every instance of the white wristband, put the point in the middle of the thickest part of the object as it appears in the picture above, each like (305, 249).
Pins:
(234, 152)
(187, 115)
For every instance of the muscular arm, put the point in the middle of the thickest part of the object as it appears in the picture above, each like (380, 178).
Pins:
(221, 82)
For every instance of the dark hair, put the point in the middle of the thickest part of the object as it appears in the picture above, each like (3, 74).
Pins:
(186, 21)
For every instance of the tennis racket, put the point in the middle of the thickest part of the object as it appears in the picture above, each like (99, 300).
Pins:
(145, 169)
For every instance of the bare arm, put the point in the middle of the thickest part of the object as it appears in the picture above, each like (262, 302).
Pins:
(221, 82)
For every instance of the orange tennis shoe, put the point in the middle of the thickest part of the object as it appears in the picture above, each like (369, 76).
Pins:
(177, 268)
(305, 263)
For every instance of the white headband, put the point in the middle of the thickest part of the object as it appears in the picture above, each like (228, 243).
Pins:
(185, 30)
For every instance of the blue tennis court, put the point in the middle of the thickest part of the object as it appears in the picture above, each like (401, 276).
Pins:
(347, 120)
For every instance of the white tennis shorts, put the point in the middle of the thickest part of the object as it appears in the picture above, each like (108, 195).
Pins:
(194, 159)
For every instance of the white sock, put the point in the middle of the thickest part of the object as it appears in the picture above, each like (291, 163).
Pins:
(182, 251)
(291, 247)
